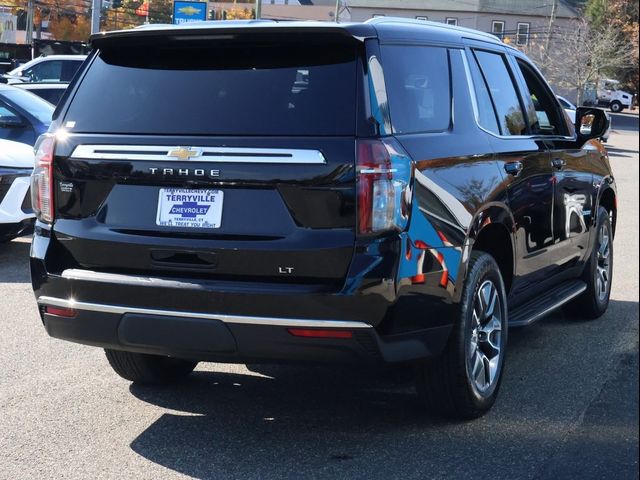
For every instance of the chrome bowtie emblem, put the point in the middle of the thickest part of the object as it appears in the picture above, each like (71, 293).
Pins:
(185, 153)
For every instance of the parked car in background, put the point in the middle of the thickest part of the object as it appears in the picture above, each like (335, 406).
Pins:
(23, 115)
(606, 94)
(570, 109)
(51, 92)
(53, 68)
(16, 165)
(401, 200)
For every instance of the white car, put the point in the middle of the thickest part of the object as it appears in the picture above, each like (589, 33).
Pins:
(570, 109)
(16, 165)
(50, 69)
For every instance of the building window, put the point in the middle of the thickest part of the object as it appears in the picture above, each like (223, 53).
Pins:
(523, 34)
(451, 21)
(377, 15)
(497, 28)
(422, 18)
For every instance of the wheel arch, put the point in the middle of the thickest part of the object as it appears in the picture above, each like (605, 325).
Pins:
(492, 231)
(609, 200)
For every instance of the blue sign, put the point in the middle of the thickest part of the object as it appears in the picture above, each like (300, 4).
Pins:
(186, 12)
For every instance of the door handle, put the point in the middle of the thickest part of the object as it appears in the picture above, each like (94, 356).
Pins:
(559, 163)
(513, 168)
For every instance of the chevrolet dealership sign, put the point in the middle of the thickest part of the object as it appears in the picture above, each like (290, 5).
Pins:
(185, 12)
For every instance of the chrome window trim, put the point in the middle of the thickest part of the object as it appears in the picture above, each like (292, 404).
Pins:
(239, 319)
(203, 154)
(474, 103)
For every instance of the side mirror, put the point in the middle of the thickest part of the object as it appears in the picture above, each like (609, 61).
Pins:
(11, 122)
(591, 123)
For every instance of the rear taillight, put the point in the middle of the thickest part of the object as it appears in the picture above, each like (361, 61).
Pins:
(42, 179)
(384, 186)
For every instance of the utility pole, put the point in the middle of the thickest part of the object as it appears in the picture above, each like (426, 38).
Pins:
(29, 33)
(258, 9)
(96, 6)
(552, 20)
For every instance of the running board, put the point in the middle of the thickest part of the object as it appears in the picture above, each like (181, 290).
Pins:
(541, 306)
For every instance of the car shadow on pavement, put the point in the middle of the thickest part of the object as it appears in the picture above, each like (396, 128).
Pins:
(14, 261)
(231, 424)
(270, 421)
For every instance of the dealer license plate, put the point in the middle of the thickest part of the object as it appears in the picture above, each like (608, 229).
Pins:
(181, 207)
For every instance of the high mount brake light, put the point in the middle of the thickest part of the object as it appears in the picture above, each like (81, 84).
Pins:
(384, 186)
(42, 179)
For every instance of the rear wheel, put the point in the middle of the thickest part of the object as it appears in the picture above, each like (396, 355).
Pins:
(464, 381)
(616, 106)
(598, 273)
(151, 369)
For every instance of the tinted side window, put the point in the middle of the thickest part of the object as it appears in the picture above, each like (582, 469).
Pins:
(486, 112)
(45, 71)
(503, 92)
(418, 86)
(543, 113)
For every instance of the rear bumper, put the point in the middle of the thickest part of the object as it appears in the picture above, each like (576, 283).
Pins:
(230, 338)
(241, 322)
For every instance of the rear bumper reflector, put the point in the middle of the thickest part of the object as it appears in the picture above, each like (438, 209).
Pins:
(315, 333)
(60, 311)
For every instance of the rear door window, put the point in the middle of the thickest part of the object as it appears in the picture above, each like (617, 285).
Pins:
(419, 88)
(487, 118)
(232, 89)
(503, 92)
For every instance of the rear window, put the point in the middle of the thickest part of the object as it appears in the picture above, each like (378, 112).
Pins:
(418, 86)
(232, 89)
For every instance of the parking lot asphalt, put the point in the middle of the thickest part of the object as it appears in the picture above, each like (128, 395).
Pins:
(568, 407)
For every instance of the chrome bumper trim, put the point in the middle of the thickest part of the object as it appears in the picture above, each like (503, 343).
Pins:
(245, 320)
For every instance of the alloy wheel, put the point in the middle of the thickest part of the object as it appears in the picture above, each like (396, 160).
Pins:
(603, 263)
(486, 332)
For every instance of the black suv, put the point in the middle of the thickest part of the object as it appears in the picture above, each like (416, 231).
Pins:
(393, 192)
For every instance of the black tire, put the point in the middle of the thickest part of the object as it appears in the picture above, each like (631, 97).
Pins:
(445, 384)
(150, 369)
(594, 301)
(616, 106)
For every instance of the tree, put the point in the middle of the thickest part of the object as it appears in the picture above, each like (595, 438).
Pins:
(583, 56)
(68, 28)
(622, 15)
(596, 12)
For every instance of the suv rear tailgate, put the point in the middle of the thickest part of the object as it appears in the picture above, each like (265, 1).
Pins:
(273, 130)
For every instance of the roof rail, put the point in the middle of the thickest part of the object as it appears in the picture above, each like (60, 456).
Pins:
(428, 23)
